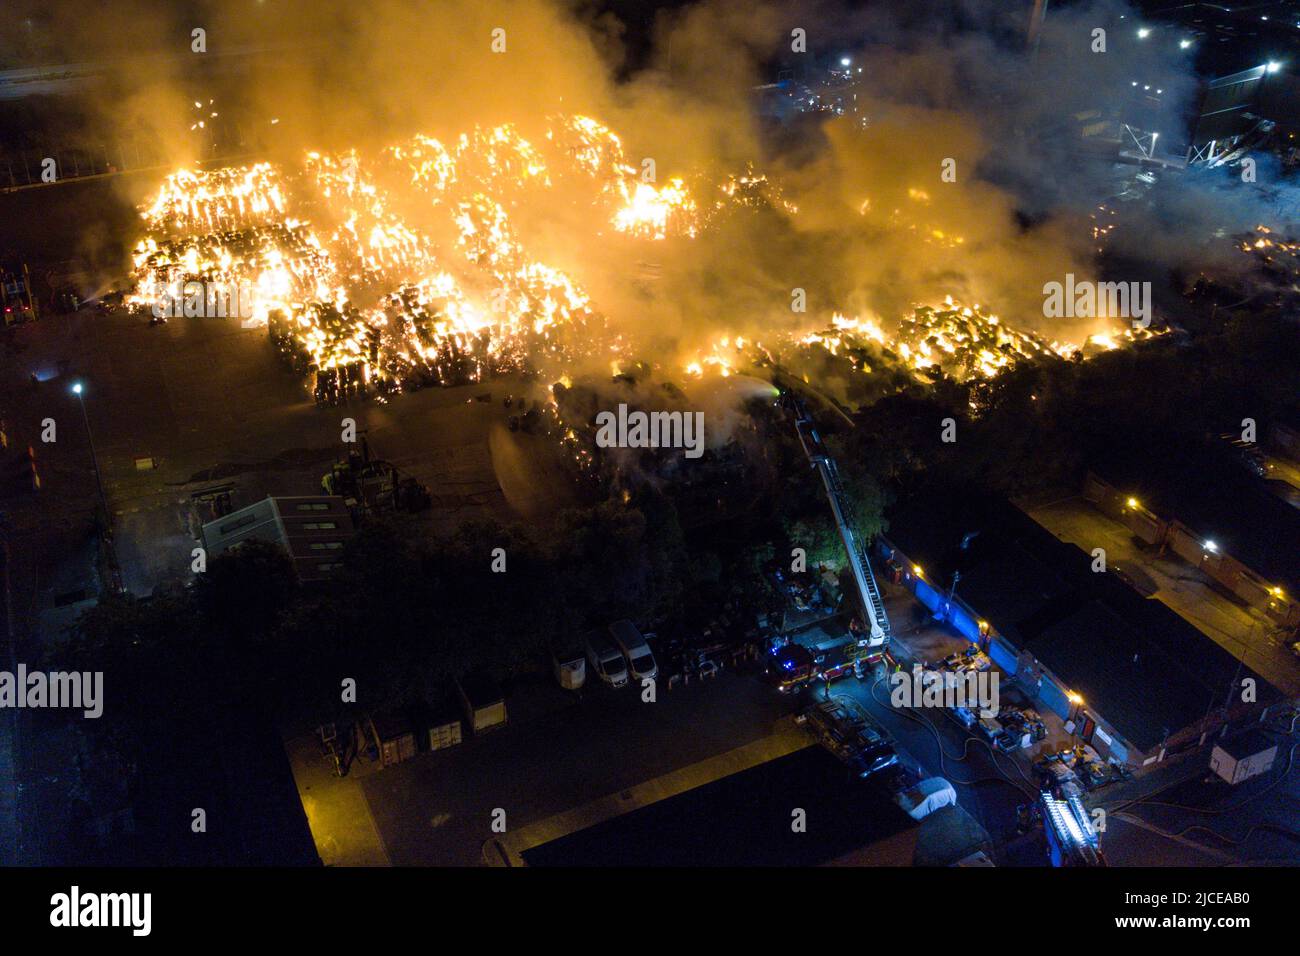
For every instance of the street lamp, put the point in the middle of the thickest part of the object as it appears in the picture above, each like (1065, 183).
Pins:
(77, 389)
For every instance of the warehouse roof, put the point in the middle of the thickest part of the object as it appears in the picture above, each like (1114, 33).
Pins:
(1140, 689)
(744, 820)
(1143, 668)
(1011, 568)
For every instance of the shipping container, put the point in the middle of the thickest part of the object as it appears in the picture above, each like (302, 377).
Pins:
(394, 738)
(483, 702)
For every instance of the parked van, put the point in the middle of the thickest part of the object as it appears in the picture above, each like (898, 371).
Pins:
(605, 658)
(635, 649)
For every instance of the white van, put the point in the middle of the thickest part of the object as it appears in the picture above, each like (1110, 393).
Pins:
(606, 660)
(635, 649)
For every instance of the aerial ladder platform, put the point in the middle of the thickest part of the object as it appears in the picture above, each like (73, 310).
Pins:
(873, 605)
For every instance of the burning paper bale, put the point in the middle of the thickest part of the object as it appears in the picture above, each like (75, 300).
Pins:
(361, 300)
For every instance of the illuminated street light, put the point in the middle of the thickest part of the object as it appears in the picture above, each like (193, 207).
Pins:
(1273, 66)
(1132, 503)
(1184, 44)
(1076, 699)
(844, 61)
(1211, 547)
(1144, 32)
(77, 389)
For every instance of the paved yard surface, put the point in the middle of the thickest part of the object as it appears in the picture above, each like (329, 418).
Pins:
(1187, 816)
(436, 809)
(199, 404)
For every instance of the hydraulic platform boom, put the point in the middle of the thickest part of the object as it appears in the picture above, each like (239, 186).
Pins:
(873, 607)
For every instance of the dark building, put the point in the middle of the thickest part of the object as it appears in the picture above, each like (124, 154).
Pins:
(312, 529)
(745, 820)
(1135, 678)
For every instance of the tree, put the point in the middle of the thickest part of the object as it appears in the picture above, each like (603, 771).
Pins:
(245, 589)
(820, 540)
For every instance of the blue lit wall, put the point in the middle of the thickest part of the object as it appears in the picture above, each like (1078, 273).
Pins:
(966, 625)
(926, 594)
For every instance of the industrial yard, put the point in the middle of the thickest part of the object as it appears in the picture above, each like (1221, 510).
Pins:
(664, 437)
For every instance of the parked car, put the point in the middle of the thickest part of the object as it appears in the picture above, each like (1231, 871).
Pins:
(606, 660)
(844, 728)
(635, 649)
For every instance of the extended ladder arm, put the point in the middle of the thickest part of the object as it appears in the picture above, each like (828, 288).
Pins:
(873, 605)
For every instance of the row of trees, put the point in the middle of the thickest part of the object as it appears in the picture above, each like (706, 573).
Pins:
(404, 616)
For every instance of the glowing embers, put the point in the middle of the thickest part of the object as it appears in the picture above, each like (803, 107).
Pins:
(1277, 255)
(416, 264)
(278, 264)
(194, 201)
(657, 212)
(966, 342)
(372, 243)
(959, 342)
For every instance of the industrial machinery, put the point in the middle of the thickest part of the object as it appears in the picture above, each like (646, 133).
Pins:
(373, 484)
(16, 297)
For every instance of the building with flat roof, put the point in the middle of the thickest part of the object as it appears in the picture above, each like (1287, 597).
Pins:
(313, 529)
(1134, 678)
(745, 820)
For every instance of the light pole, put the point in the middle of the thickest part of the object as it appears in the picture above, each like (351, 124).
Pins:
(105, 523)
(77, 390)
